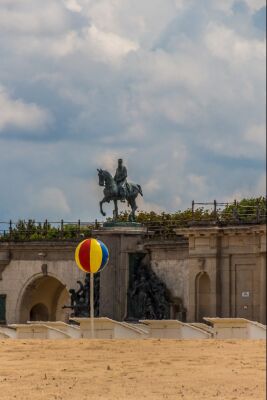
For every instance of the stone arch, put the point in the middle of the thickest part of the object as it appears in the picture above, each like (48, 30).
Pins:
(178, 310)
(39, 312)
(40, 293)
(203, 296)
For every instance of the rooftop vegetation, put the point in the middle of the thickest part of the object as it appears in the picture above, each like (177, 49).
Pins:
(246, 211)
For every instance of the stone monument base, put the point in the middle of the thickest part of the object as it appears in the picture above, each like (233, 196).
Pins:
(126, 224)
(126, 228)
(122, 239)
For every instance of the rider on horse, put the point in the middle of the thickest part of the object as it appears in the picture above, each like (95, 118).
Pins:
(118, 189)
(120, 179)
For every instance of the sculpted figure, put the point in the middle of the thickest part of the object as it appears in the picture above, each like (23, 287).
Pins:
(80, 299)
(148, 296)
(118, 189)
(73, 298)
(120, 179)
(149, 310)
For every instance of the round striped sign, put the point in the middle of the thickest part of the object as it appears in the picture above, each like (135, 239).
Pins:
(91, 255)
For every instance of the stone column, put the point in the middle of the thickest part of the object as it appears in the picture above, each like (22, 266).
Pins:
(114, 278)
(225, 286)
(4, 260)
(263, 288)
(204, 256)
(262, 259)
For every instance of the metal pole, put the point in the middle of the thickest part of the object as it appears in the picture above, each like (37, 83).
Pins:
(215, 207)
(10, 227)
(62, 228)
(92, 305)
(258, 213)
(79, 227)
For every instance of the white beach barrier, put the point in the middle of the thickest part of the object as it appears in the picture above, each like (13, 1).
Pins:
(106, 328)
(236, 328)
(173, 329)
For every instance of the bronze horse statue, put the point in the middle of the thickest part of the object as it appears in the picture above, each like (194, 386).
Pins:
(111, 193)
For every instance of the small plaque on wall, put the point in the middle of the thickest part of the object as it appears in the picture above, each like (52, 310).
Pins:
(245, 294)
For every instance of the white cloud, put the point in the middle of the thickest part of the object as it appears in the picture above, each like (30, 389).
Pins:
(72, 5)
(108, 44)
(175, 87)
(136, 131)
(198, 183)
(255, 5)
(107, 160)
(227, 5)
(16, 114)
(182, 4)
(248, 190)
(224, 43)
(256, 135)
(260, 189)
(31, 16)
(90, 42)
(177, 202)
(148, 206)
(63, 45)
(140, 22)
(51, 200)
(151, 186)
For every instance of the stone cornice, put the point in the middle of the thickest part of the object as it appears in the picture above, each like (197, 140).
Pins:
(221, 231)
(31, 245)
(166, 244)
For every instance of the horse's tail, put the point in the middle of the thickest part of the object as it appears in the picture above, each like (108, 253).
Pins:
(140, 190)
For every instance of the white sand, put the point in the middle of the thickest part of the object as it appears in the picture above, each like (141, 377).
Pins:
(144, 369)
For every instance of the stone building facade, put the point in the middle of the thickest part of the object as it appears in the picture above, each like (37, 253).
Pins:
(211, 271)
(227, 272)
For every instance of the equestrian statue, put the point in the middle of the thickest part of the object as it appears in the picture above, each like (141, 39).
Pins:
(118, 189)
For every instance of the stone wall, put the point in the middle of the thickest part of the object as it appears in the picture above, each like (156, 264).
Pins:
(217, 272)
(233, 259)
(26, 269)
(169, 261)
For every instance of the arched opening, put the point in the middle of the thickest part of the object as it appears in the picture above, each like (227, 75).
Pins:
(202, 296)
(178, 310)
(39, 312)
(43, 300)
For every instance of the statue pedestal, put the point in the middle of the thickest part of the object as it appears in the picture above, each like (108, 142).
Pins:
(122, 239)
(124, 228)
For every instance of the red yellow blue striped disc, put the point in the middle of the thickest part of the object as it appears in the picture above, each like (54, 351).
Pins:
(91, 255)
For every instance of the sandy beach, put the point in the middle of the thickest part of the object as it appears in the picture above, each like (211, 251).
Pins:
(145, 369)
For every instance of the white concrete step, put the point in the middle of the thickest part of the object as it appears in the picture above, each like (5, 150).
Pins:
(106, 328)
(38, 331)
(174, 329)
(7, 332)
(203, 326)
(73, 331)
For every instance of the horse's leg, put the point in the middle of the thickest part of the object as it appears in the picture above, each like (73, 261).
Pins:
(133, 207)
(101, 208)
(115, 211)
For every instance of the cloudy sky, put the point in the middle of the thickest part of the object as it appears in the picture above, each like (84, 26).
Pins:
(174, 87)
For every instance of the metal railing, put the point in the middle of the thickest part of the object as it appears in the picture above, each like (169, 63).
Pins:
(40, 230)
(227, 213)
(200, 214)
